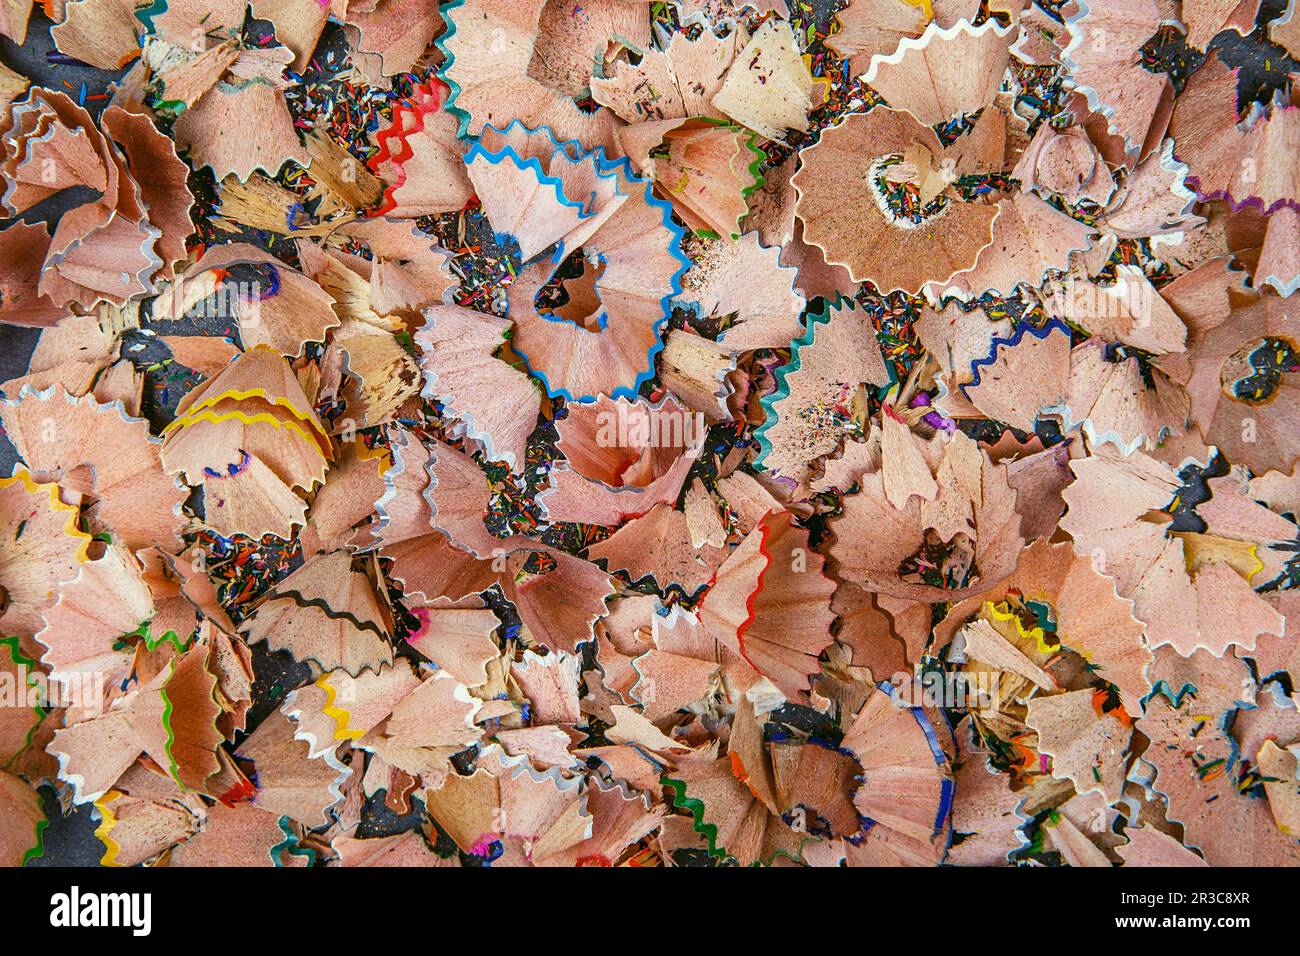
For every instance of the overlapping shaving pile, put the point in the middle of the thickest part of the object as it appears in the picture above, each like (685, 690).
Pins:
(611, 433)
